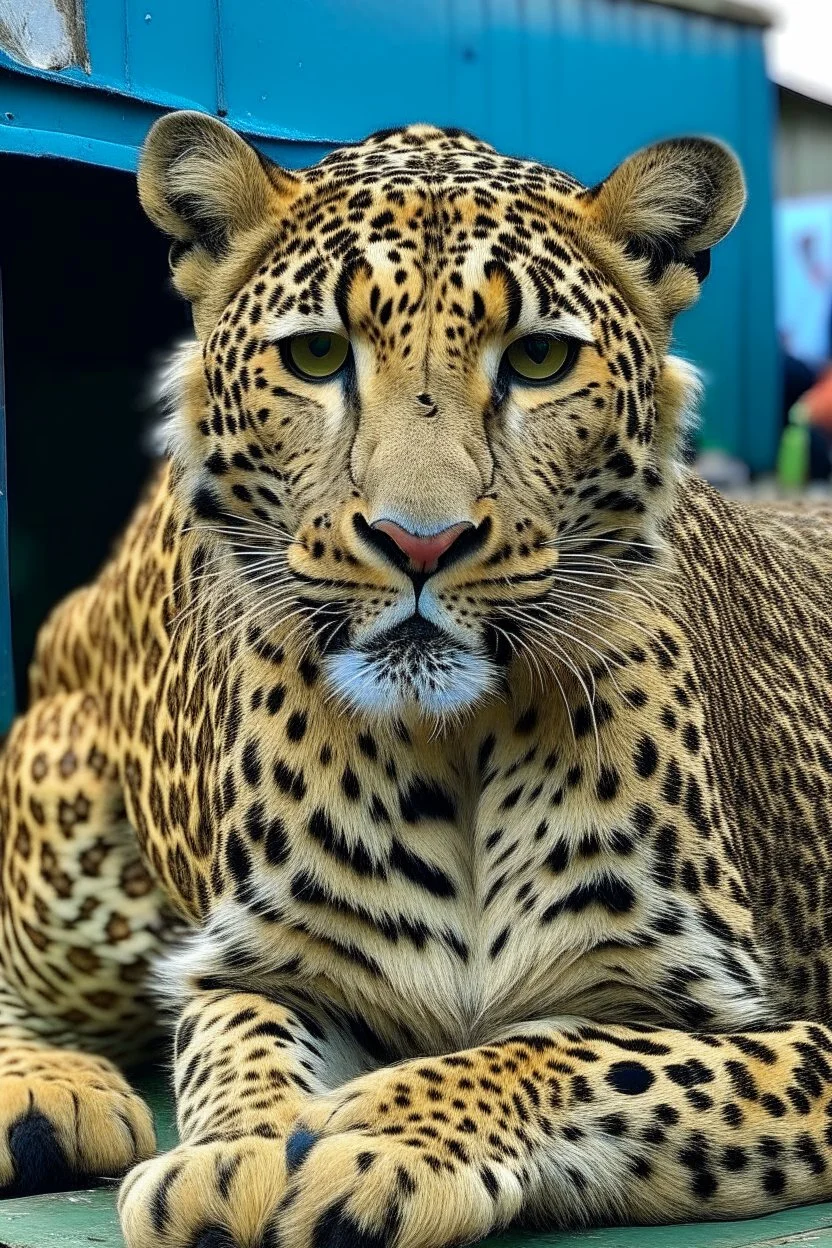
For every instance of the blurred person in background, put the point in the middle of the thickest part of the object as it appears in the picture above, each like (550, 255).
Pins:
(807, 399)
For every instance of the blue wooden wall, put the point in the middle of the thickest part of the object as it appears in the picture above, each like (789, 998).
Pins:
(576, 83)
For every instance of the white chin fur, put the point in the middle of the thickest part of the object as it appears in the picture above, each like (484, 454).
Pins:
(439, 686)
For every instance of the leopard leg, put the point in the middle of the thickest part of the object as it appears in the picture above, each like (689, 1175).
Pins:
(244, 1067)
(78, 923)
(566, 1125)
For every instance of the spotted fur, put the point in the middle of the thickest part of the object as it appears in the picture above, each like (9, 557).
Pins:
(501, 882)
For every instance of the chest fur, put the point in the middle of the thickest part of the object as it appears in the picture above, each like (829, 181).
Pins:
(449, 890)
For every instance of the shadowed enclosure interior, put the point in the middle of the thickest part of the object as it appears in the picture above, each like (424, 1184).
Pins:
(87, 310)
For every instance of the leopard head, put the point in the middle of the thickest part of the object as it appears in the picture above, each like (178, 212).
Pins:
(430, 397)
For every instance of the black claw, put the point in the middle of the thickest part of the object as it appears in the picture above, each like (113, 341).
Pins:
(336, 1229)
(298, 1146)
(213, 1237)
(39, 1161)
(219, 1237)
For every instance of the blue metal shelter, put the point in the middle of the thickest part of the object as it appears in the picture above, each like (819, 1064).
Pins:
(575, 83)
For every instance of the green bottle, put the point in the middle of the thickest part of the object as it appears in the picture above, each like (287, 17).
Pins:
(793, 452)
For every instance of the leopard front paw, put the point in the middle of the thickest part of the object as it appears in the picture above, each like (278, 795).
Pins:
(359, 1190)
(217, 1195)
(371, 1168)
(66, 1118)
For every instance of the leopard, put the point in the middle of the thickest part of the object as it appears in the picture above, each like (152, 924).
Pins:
(439, 772)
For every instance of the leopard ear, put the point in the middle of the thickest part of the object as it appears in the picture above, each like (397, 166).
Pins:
(210, 191)
(670, 203)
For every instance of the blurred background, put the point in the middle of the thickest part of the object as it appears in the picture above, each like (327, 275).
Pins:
(579, 84)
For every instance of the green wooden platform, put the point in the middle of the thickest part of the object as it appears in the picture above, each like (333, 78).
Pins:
(88, 1218)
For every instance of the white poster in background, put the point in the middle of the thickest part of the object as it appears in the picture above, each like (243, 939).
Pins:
(803, 268)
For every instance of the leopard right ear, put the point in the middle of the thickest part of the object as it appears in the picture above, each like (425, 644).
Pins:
(668, 205)
(212, 193)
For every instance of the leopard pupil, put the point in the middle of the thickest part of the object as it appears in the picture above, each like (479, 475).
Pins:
(537, 348)
(320, 345)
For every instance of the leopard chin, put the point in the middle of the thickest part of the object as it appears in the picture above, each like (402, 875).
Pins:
(414, 666)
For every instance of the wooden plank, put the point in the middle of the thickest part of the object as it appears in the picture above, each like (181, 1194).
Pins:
(87, 1219)
(811, 1225)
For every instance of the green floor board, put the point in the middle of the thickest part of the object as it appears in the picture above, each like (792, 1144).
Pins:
(87, 1218)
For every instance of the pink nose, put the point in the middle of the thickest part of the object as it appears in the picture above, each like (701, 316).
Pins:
(423, 552)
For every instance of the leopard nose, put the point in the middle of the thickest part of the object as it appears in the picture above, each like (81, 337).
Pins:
(423, 552)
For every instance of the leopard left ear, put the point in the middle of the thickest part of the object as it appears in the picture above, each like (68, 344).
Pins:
(670, 203)
(216, 197)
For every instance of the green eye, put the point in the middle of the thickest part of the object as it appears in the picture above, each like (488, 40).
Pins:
(539, 357)
(316, 356)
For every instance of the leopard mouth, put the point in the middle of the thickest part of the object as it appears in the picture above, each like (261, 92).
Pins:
(413, 664)
(413, 634)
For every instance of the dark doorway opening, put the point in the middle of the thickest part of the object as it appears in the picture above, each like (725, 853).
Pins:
(87, 311)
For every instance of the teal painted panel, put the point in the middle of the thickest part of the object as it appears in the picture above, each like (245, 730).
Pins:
(156, 53)
(40, 102)
(661, 73)
(106, 44)
(506, 121)
(45, 118)
(544, 50)
(576, 83)
(116, 90)
(336, 71)
(760, 364)
(24, 141)
(469, 70)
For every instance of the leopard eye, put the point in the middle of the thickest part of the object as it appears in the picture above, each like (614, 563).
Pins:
(315, 357)
(540, 357)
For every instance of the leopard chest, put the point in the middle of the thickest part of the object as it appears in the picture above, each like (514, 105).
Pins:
(447, 886)
(446, 910)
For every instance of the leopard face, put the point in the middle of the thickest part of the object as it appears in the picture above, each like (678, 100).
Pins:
(430, 400)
